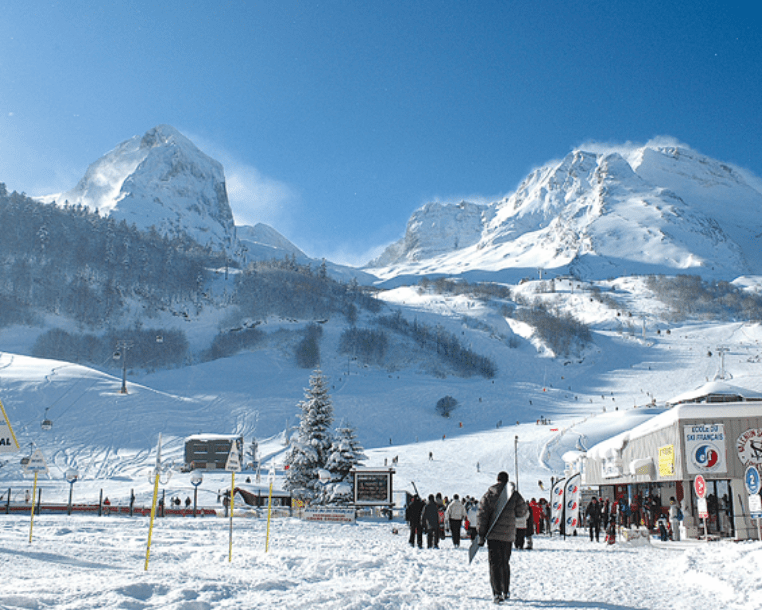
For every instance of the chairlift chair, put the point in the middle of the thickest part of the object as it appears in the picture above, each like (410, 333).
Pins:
(46, 423)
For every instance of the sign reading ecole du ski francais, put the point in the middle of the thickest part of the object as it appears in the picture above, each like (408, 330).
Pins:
(705, 448)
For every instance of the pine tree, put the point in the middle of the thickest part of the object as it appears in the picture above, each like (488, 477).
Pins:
(310, 452)
(346, 453)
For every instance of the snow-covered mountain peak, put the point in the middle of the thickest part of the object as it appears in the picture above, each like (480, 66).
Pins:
(162, 135)
(438, 228)
(603, 211)
(160, 179)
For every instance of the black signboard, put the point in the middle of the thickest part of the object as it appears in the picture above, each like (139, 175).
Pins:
(373, 488)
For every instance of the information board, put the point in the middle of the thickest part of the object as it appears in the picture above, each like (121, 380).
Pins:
(36, 463)
(755, 506)
(373, 488)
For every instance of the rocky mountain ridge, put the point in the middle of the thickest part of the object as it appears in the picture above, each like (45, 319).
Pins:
(160, 180)
(654, 209)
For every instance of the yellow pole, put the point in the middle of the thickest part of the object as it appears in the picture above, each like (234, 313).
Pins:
(269, 512)
(34, 494)
(232, 501)
(153, 515)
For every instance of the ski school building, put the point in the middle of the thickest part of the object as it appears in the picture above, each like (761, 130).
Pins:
(714, 432)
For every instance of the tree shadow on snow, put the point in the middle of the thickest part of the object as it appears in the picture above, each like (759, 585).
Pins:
(60, 559)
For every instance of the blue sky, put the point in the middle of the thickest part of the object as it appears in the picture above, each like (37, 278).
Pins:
(336, 120)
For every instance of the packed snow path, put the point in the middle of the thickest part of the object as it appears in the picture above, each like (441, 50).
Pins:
(90, 562)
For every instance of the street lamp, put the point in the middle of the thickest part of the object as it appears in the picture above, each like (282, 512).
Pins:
(516, 458)
(72, 475)
(196, 480)
(155, 477)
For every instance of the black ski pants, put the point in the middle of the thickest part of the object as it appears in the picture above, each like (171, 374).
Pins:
(416, 533)
(595, 528)
(520, 536)
(432, 537)
(455, 531)
(499, 566)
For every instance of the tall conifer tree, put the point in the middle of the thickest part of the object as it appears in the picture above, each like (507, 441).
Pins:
(310, 452)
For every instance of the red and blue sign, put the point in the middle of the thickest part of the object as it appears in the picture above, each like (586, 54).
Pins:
(707, 456)
(705, 448)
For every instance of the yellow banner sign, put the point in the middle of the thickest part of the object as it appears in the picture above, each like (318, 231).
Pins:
(8, 442)
(667, 461)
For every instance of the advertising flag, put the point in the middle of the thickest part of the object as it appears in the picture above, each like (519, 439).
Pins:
(557, 505)
(572, 493)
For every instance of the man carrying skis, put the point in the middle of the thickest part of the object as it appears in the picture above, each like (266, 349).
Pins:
(498, 529)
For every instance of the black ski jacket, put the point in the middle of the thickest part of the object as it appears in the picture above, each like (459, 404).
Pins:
(505, 528)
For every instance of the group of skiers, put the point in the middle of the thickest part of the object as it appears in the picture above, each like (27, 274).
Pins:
(604, 515)
(438, 515)
(435, 516)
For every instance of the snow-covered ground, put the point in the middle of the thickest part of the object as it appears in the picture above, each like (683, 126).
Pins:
(91, 562)
(111, 438)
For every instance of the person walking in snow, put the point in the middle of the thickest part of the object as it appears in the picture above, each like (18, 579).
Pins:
(604, 506)
(472, 509)
(455, 513)
(536, 515)
(502, 535)
(413, 517)
(521, 531)
(674, 518)
(529, 530)
(441, 505)
(430, 522)
(546, 514)
(593, 519)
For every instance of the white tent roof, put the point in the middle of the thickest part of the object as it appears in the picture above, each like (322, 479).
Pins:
(706, 411)
(714, 388)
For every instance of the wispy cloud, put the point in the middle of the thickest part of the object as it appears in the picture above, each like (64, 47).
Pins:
(629, 149)
(254, 197)
(600, 147)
